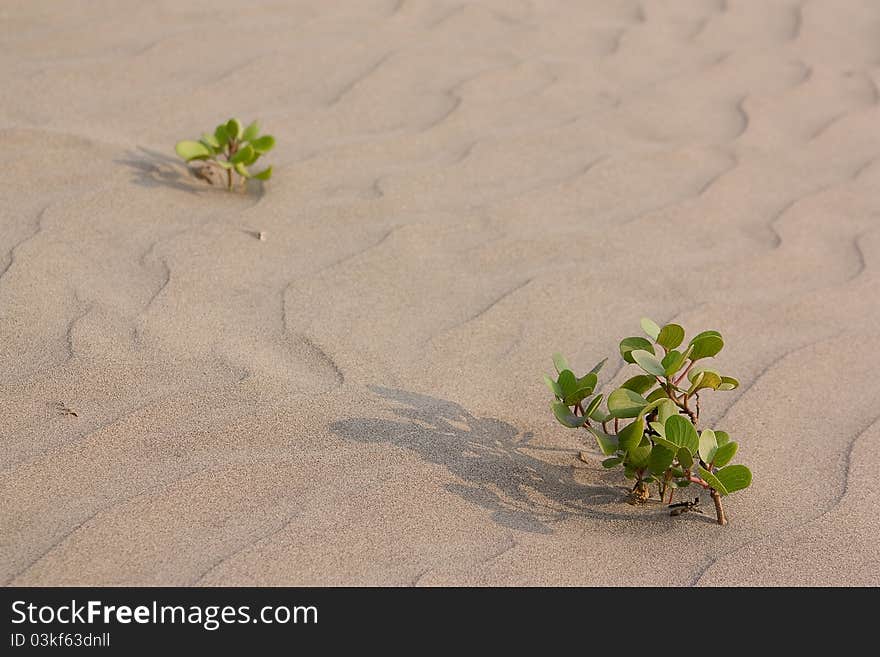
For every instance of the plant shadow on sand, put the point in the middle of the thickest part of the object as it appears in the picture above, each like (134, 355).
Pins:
(154, 169)
(492, 458)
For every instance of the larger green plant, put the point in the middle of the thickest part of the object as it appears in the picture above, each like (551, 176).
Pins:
(232, 148)
(648, 425)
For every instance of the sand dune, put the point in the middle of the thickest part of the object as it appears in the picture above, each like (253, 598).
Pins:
(460, 189)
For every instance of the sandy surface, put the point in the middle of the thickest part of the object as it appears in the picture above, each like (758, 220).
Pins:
(460, 190)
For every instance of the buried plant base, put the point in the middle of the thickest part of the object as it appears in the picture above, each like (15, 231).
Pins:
(229, 152)
(659, 444)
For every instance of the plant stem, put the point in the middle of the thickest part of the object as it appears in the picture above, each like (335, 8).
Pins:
(681, 404)
(684, 374)
(578, 407)
(716, 497)
(690, 413)
(232, 148)
(719, 510)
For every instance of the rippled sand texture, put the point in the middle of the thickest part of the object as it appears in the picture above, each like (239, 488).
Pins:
(460, 190)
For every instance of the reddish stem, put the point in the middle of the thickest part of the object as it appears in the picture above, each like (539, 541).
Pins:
(684, 374)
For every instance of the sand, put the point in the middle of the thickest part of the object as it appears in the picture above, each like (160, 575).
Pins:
(460, 190)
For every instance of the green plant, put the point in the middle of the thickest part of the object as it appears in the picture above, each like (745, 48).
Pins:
(659, 442)
(232, 148)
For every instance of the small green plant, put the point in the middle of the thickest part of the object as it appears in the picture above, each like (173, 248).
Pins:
(654, 416)
(232, 148)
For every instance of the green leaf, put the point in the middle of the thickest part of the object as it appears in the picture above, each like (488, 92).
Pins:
(565, 416)
(221, 135)
(192, 150)
(705, 379)
(728, 383)
(659, 440)
(264, 144)
(650, 328)
(573, 391)
(670, 336)
(724, 454)
(658, 428)
(706, 346)
(225, 165)
(698, 379)
(641, 383)
(607, 443)
(623, 403)
(593, 406)
(721, 437)
(734, 477)
(685, 458)
(659, 393)
(672, 362)
(648, 362)
(613, 461)
(682, 483)
(598, 366)
(242, 170)
(627, 345)
(705, 334)
(694, 371)
(251, 132)
(560, 363)
(650, 407)
(234, 129)
(681, 432)
(578, 396)
(242, 155)
(567, 382)
(660, 459)
(665, 411)
(708, 446)
(588, 381)
(210, 140)
(265, 174)
(555, 388)
(713, 481)
(631, 435)
(638, 456)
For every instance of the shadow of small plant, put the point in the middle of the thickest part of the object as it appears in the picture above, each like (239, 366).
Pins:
(153, 169)
(491, 458)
